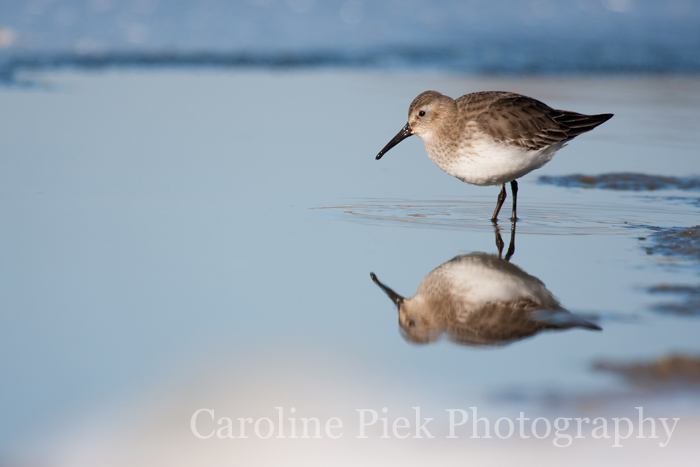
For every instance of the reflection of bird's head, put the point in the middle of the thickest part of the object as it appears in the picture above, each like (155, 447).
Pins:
(415, 317)
(417, 321)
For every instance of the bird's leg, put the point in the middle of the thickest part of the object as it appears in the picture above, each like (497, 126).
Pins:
(514, 189)
(499, 240)
(511, 245)
(501, 199)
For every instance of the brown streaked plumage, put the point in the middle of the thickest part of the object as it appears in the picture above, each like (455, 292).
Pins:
(491, 138)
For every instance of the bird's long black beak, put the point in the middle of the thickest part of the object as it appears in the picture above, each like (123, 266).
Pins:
(396, 298)
(400, 136)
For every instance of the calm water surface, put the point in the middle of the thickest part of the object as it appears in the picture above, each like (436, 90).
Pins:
(172, 240)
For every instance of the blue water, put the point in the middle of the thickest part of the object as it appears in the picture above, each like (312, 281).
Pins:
(164, 229)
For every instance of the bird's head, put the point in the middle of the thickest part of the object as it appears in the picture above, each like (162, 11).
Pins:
(427, 114)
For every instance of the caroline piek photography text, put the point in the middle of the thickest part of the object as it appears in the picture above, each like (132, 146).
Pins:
(287, 423)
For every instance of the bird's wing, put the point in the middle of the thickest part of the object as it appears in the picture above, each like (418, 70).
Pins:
(495, 323)
(523, 121)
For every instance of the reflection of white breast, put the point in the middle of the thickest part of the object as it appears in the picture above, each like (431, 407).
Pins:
(478, 279)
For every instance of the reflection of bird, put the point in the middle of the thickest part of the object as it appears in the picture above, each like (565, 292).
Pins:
(491, 138)
(480, 299)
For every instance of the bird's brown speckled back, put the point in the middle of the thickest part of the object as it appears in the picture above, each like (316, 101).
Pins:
(523, 121)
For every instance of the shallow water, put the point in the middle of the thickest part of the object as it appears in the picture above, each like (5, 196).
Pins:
(546, 218)
(173, 240)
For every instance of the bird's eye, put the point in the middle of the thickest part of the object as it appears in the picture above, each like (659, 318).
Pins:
(411, 323)
(421, 113)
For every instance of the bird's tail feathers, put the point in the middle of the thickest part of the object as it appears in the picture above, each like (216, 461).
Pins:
(580, 123)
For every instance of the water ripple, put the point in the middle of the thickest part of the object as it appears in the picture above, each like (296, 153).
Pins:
(542, 218)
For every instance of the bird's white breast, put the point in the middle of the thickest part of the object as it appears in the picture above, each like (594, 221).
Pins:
(478, 159)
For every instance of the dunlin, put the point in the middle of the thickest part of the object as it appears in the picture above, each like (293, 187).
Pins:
(480, 299)
(491, 138)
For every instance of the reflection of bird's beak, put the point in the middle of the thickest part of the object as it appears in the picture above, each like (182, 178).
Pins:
(396, 298)
(400, 136)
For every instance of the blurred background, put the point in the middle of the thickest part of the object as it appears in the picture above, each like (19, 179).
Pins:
(533, 36)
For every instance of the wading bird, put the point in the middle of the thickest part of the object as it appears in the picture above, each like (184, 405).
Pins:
(491, 138)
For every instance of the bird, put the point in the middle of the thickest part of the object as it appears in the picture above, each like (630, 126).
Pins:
(479, 299)
(491, 137)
